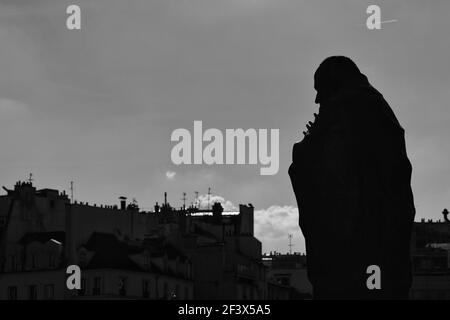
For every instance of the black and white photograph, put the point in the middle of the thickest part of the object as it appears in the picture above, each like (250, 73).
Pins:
(242, 153)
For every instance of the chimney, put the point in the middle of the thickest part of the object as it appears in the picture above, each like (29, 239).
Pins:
(445, 213)
(217, 210)
(123, 203)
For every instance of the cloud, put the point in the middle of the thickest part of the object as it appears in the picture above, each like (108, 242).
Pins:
(204, 203)
(170, 175)
(273, 226)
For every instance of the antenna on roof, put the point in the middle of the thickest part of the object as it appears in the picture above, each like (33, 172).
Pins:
(290, 243)
(71, 191)
(184, 200)
(209, 198)
(30, 178)
(196, 199)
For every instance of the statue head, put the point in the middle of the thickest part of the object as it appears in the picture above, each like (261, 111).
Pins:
(334, 74)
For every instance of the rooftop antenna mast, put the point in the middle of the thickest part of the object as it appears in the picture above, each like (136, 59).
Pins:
(209, 198)
(184, 200)
(71, 191)
(290, 243)
(196, 199)
(30, 178)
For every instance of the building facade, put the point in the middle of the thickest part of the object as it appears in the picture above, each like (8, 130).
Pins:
(123, 252)
(42, 233)
(289, 270)
(225, 254)
(430, 249)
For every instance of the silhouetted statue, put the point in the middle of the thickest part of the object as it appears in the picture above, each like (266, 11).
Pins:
(352, 181)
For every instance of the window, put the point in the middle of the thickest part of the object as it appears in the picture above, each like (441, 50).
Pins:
(13, 262)
(166, 290)
(32, 292)
(34, 262)
(2, 221)
(122, 286)
(49, 292)
(146, 289)
(52, 260)
(97, 286)
(82, 290)
(244, 292)
(12, 293)
(283, 279)
(147, 261)
(177, 292)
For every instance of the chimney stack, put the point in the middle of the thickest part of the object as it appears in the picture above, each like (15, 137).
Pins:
(123, 203)
(445, 213)
(217, 210)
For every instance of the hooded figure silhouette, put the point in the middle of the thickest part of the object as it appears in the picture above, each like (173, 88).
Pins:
(352, 181)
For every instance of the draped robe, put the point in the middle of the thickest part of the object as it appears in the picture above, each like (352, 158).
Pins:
(352, 181)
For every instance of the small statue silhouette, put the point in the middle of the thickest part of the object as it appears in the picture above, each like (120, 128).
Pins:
(352, 181)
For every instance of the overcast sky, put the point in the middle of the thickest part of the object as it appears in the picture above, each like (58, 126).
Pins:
(98, 106)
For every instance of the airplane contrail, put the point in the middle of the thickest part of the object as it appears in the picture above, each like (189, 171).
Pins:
(388, 21)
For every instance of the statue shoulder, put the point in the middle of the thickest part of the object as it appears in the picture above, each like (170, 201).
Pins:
(297, 146)
(297, 149)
